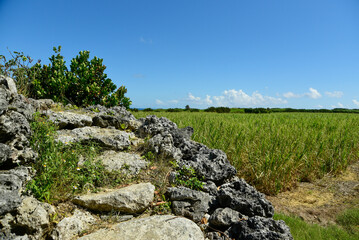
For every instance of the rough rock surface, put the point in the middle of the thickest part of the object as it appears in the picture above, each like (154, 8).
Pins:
(190, 203)
(224, 217)
(10, 187)
(132, 199)
(127, 163)
(160, 227)
(70, 227)
(69, 120)
(9, 84)
(107, 138)
(258, 228)
(242, 197)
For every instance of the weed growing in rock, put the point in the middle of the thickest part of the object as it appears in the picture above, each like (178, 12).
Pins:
(64, 169)
(187, 177)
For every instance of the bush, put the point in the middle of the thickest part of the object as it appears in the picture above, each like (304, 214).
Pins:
(85, 84)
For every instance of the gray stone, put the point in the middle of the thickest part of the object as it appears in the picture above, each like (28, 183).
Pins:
(132, 199)
(10, 187)
(190, 203)
(69, 120)
(41, 104)
(4, 100)
(9, 84)
(159, 227)
(224, 217)
(12, 125)
(162, 145)
(258, 228)
(22, 105)
(107, 138)
(242, 197)
(4, 153)
(70, 227)
(34, 217)
(127, 163)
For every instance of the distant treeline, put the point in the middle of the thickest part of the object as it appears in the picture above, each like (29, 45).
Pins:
(248, 110)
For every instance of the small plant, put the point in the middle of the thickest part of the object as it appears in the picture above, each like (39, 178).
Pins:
(187, 177)
(162, 207)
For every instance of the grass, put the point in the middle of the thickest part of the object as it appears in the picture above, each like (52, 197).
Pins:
(304, 231)
(275, 151)
(64, 169)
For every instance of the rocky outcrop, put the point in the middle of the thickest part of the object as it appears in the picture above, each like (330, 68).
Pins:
(160, 227)
(226, 203)
(132, 199)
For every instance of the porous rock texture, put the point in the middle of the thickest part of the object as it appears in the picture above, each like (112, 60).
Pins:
(226, 203)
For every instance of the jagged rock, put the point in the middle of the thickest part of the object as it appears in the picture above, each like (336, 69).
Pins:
(258, 228)
(70, 227)
(23, 106)
(132, 199)
(69, 120)
(4, 100)
(224, 217)
(128, 163)
(41, 104)
(159, 227)
(242, 197)
(162, 145)
(210, 187)
(9, 84)
(34, 217)
(14, 125)
(107, 138)
(10, 187)
(5, 152)
(190, 203)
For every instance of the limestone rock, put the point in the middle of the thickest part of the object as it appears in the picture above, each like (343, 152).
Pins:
(242, 197)
(4, 100)
(107, 138)
(10, 187)
(22, 105)
(132, 199)
(162, 145)
(9, 84)
(14, 125)
(190, 203)
(127, 163)
(224, 217)
(4, 153)
(159, 227)
(258, 228)
(69, 120)
(70, 227)
(34, 217)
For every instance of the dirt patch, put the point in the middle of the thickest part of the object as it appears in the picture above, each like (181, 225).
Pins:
(320, 201)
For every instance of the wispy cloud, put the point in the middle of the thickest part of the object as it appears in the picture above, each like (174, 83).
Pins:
(146, 41)
(159, 102)
(313, 93)
(356, 102)
(335, 94)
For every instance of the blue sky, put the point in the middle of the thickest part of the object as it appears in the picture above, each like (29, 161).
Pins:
(254, 53)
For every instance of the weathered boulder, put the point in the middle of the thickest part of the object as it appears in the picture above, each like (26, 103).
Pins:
(159, 227)
(69, 120)
(5, 152)
(22, 105)
(34, 217)
(224, 217)
(10, 187)
(70, 227)
(258, 228)
(107, 138)
(127, 163)
(9, 84)
(242, 197)
(132, 199)
(14, 125)
(190, 203)
(4, 99)
(162, 145)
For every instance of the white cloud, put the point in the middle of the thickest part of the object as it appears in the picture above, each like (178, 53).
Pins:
(313, 93)
(173, 101)
(193, 98)
(335, 94)
(291, 95)
(159, 102)
(356, 102)
(340, 105)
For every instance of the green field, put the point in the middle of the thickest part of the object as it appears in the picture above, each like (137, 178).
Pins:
(274, 151)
